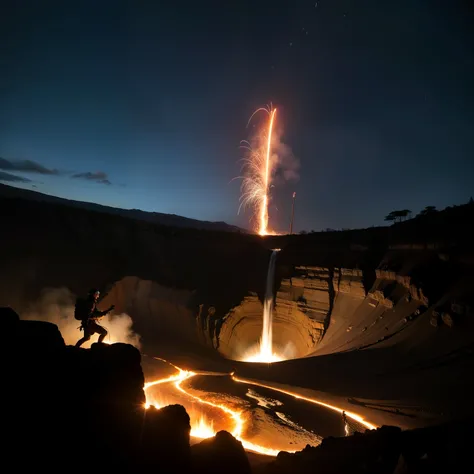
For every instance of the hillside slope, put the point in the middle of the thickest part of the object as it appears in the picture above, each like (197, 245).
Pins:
(171, 220)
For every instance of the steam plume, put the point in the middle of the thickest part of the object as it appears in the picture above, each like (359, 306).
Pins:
(56, 305)
(285, 165)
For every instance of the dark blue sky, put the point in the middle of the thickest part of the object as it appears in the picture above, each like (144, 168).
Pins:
(374, 98)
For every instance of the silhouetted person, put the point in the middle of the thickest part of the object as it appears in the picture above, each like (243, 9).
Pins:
(199, 317)
(87, 312)
(211, 321)
(346, 425)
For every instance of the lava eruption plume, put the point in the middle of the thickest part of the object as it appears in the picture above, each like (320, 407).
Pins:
(257, 172)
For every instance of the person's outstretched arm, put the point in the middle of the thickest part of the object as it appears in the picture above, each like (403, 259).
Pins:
(98, 313)
(103, 313)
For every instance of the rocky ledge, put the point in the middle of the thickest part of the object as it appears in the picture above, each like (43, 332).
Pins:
(84, 409)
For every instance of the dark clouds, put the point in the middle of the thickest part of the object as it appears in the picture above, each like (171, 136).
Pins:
(26, 166)
(98, 177)
(13, 178)
(29, 166)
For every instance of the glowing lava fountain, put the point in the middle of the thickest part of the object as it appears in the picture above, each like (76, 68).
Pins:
(264, 206)
(265, 352)
(257, 175)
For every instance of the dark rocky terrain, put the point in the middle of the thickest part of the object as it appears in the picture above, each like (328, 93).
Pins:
(381, 317)
(83, 409)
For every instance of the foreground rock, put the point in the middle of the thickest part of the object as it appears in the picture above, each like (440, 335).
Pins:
(66, 407)
(222, 453)
(442, 448)
(164, 440)
(83, 409)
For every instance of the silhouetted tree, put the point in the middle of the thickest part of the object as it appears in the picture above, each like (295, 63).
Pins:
(390, 217)
(427, 210)
(405, 214)
(398, 215)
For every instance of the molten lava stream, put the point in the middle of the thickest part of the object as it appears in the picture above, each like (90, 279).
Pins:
(209, 416)
(162, 392)
(206, 421)
(170, 389)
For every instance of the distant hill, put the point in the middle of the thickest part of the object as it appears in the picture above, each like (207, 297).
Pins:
(159, 218)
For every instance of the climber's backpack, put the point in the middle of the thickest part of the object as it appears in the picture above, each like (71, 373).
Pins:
(81, 309)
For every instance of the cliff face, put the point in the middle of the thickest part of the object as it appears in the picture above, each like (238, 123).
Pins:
(384, 348)
(207, 288)
(159, 312)
(302, 305)
(46, 245)
(336, 293)
(308, 302)
(323, 310)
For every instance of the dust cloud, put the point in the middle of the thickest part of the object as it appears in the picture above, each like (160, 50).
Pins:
(56, 305)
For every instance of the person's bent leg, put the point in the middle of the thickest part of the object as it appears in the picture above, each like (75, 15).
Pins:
(82, 340)
(102, 331)
(86, 337)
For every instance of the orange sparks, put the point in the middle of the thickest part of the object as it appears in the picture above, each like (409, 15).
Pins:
(257, 169)
(264, 205)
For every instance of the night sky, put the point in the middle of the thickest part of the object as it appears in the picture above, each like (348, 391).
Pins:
(143, 104)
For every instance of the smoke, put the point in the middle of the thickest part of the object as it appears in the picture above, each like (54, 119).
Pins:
(56, 305)
(285, 165)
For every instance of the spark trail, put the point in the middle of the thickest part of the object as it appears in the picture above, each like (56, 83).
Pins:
(257, 170)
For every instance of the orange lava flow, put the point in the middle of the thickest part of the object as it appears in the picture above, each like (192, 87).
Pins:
(200, 428)
(351, 415)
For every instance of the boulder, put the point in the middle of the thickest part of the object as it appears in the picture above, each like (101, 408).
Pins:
(8, 316)
(62, 400)
(164, 439)
(222, 453)
(38, 336)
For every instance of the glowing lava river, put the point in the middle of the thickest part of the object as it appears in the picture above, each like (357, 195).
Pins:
(265, 419)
